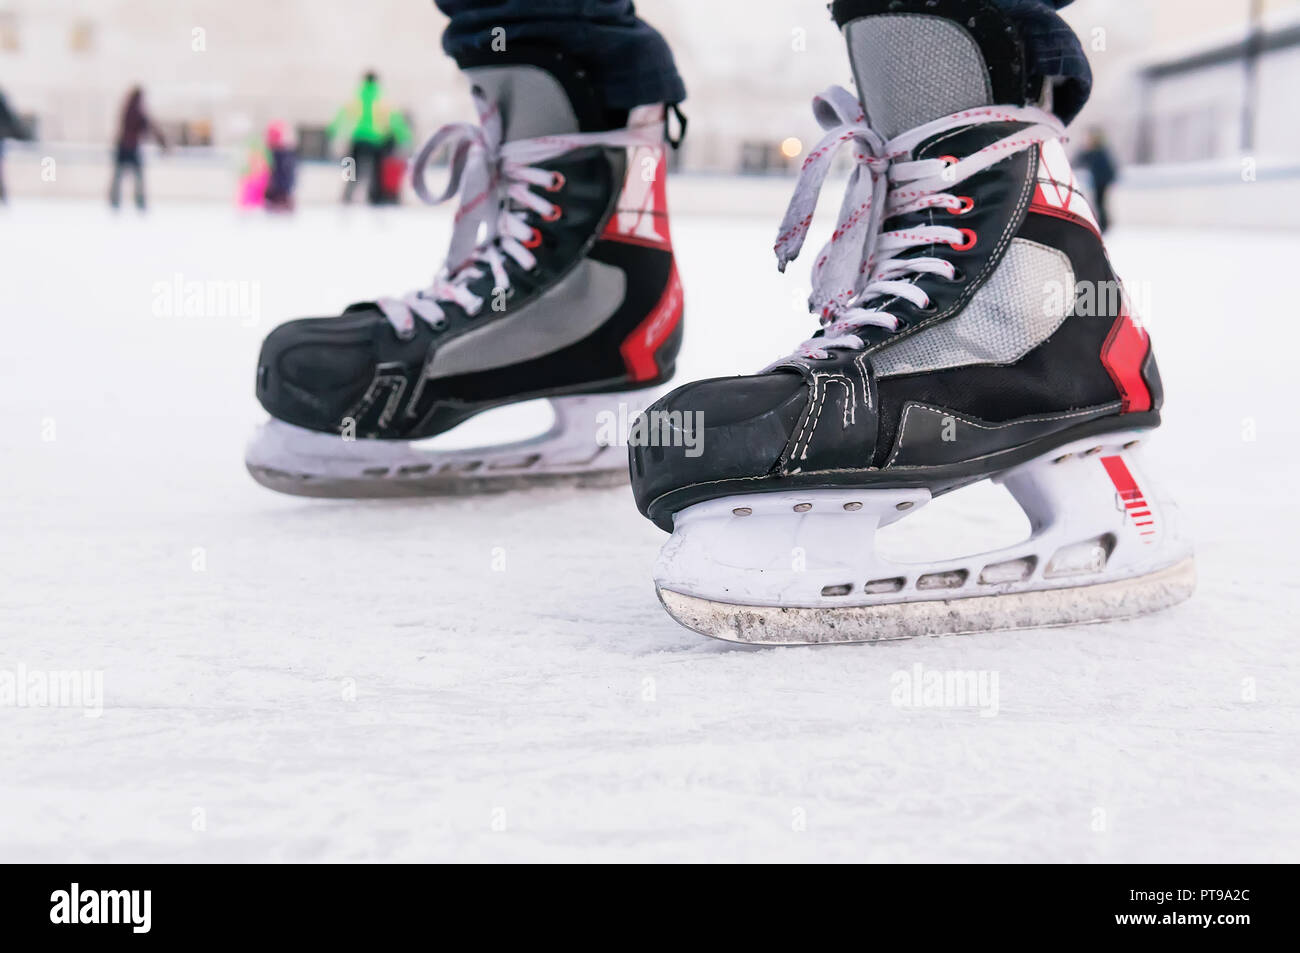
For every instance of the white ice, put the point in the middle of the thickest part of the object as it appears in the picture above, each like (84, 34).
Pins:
(493, 678)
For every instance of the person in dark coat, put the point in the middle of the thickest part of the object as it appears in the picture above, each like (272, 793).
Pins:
(10, 127)
(283, 159)
(132, 130)
(1101, 166)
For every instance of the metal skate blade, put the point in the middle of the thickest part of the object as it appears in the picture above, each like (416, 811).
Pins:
(329, 487)
(300, 462)
(1041, 608)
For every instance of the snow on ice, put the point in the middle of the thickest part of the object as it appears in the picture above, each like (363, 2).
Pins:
(492, 678)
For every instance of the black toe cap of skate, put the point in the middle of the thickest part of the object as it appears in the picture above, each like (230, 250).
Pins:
(312, 371)
(725, 428)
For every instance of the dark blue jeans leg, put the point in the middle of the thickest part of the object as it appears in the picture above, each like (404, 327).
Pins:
(1053, 52)
(630, 60)
(636, 67)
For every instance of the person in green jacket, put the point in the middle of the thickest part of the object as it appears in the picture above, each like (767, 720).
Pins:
(374, 130)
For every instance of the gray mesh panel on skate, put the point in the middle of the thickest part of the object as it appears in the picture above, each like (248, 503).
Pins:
(568, 311)
(1020, 307)
(532, 101)
(911, 69)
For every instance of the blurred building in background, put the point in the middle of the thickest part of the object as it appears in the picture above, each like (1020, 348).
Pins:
(214, 70)
(1178, 82)
(1193, 80)
(1195, 98)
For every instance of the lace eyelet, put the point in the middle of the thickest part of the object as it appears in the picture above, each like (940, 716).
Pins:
(557, 182)
(957, 275)
(553, 215)
(948, 175)
(967, 203)
(533, 240)
(966, 245)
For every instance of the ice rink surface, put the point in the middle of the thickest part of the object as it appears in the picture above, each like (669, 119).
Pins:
(493, 678)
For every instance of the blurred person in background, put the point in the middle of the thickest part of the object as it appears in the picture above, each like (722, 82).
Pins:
(9, 128)
(374, 130)
(282, 155)
(255, 174)
(1101, 168)
(133, 128)
(392, 172)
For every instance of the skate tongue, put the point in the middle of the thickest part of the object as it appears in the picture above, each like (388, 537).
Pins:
(913, 67)
(532, 101)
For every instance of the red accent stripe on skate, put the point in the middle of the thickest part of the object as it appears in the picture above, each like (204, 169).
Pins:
(638, 348)
(1122, 355)
(640, 215)
(634, 240)
(1129, 491)
(1119, 474)
(1042, 208)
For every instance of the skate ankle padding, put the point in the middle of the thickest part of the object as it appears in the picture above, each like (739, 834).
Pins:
(918, 60)
(540, 92)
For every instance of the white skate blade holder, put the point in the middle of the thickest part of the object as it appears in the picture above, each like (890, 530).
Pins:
(800, 567)
(582, 447)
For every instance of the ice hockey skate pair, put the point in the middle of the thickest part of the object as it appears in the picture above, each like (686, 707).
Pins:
(950, 351)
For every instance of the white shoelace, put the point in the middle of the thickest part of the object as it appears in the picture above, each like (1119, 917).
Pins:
(494, 181)
(858, 264)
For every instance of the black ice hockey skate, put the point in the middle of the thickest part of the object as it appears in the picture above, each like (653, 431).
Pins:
(972, 328)
(560, 283)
